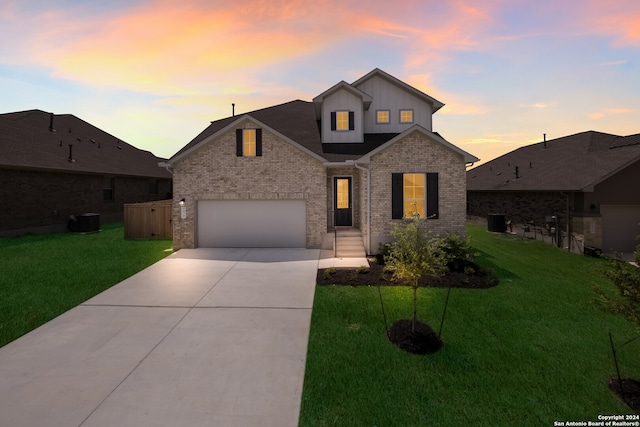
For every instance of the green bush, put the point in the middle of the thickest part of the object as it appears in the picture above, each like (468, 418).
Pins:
(626, 277)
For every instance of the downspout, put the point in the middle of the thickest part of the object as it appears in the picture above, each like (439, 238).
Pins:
(368, 242)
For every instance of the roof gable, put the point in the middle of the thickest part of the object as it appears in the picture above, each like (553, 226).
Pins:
(224, 126)
(468, 158)
(318, 100)
(399, 83)
(572, 163)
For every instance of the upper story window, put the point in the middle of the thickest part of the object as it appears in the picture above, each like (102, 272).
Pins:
(406, 116)
(342, 120)
(248, 142)
(382, 116)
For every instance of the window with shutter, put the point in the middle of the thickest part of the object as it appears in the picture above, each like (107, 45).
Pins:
(248, 142)
(414, 193)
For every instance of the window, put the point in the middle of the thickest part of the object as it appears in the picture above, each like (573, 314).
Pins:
(406, 116)
(413, 193)
(342, 120)
(382, 116)
(248, 142)
(413, 190)
(107, 192)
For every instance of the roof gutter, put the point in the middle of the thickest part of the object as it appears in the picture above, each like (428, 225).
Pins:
(166, 166)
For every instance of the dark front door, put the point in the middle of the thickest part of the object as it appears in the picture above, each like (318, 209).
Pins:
(342, 201)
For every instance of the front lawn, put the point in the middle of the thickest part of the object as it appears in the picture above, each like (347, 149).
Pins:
(44, 276)
(530, 351)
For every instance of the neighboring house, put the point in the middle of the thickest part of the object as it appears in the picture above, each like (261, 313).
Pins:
(590, 182)
(360, 155)
(55, 166)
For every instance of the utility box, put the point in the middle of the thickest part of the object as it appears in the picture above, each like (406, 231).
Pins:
(85, 223)
(497, 223)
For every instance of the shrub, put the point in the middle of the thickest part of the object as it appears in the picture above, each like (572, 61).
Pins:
(627, 279)
(460, 256)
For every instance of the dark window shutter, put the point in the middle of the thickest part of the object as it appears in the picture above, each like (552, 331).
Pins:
(333, 120)
(352, 120)
(432, 196)
(258, 142)
(397, 196)
(239, 142)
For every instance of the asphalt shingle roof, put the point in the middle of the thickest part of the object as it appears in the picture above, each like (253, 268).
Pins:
(572, 163)
(27, 143)
(297, 121)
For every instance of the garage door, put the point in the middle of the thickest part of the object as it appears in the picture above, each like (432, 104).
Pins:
(252, 224)
(620, 227)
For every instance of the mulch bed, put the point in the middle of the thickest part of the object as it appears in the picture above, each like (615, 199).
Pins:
(376, 276)
(423, 340)
(631, 392)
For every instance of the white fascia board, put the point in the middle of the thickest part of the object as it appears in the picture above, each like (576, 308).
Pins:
(468, 158)
(236, 124)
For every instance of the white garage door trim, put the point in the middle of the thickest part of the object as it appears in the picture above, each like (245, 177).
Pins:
(620, 227)
(251, 224)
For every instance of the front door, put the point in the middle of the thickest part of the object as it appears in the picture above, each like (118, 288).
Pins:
(342, 201)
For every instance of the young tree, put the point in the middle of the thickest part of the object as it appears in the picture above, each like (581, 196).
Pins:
(414, 255)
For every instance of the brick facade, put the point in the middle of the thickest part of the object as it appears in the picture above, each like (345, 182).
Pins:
(418, 154)
(283, 172)
(34, 201)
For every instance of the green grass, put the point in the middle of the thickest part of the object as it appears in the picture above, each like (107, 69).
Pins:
(44, 276)
(531, 351)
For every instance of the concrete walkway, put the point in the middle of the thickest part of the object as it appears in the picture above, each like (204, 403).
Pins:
(205, 337)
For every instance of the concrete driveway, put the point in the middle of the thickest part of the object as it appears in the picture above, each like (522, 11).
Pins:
(205, 337)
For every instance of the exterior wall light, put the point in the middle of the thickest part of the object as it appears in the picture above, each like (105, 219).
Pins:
(181, 202)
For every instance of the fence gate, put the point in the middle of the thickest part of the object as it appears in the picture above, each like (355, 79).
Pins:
(150, 220)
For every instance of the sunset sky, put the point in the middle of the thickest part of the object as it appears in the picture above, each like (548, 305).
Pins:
(156, 72)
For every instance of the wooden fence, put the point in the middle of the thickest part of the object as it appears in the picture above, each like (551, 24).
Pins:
(150, 220)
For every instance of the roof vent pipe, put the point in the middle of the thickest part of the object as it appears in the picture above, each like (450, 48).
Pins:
(71, 159)
(233, 109)
(51, 129)
(544, 135)
(517, 174)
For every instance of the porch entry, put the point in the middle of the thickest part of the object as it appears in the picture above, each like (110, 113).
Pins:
(342, 203)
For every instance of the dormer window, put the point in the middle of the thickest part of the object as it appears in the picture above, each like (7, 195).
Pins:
(406, 116)
(342, 120)
(382, 116)
(248, 142)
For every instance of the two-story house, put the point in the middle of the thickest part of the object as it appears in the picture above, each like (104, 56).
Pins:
(360, 155)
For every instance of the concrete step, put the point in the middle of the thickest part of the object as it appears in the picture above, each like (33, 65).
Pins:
(349, 243)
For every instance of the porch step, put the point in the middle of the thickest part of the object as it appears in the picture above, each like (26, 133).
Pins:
(349, 243)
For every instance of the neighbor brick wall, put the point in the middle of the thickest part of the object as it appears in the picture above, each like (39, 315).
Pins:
(519, 207)
(418, 154)
(214, 172)
(33, 199)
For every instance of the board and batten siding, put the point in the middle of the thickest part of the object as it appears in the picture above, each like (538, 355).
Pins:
(342, 100)
(387, 96)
